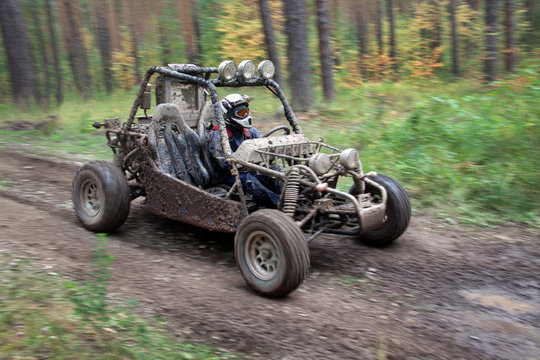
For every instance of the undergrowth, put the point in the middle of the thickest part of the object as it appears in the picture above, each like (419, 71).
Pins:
(43, 316)
(464, 150)
(467, 151)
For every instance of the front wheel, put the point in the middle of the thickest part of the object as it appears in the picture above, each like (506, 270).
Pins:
(101, 196)
(398, 213)
(272, 253)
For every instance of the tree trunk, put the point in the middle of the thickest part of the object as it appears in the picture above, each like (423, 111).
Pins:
(197, 30)
(18, 52)
(325, 52)
(378, 21)
(454, 36)
(436, 34)
(361, 32)
(113, 25)
(184, 6)
(474, 4)
(54, 49)
(269, 37)
(103, 40)
(490, 64)
(130, 11)
(298, 53)
(43, 96)
(70, 17)
(509, 32)
(390, 12)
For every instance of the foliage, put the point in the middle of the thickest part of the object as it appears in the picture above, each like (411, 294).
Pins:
(233, 29)
(123, 63)
(241, 28)
(38, 321)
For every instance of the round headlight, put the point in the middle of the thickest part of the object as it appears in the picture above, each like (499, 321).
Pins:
(247, 69)
(266, 69)
(320, 163)
(349, 159)
(227, 70)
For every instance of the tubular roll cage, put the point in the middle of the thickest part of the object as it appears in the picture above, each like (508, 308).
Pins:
(201, 76)
(192, 74)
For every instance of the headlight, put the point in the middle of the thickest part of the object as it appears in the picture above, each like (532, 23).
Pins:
(266, 69)
(227, 70)
(320, 163)
(247, 69)
(349, 159)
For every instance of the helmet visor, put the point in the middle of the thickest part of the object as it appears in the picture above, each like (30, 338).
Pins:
(241, 111)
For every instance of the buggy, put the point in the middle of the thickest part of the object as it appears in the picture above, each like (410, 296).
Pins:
(165, 158)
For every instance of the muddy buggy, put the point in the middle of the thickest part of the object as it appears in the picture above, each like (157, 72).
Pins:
(165, 158)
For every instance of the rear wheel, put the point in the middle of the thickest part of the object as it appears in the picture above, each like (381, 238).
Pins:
(101, 196)
(398, 213)
(272, 253)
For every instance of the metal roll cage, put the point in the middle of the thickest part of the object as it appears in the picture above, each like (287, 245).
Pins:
(192, 74)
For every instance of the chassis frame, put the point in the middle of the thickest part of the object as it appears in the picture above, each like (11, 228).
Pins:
(129, 143)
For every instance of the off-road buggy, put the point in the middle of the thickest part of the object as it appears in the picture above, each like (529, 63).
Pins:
(165, 158)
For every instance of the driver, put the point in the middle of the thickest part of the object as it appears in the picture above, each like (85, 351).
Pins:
(238, 121)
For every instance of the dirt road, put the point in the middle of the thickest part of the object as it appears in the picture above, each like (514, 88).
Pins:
(440, 292)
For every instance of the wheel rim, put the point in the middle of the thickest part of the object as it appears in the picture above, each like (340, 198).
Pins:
(90, 198)
(262, 255)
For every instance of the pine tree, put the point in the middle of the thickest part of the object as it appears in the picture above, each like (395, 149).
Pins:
(298, 52)
(70, 18)
(361, 32)
(378, 27)
(270, 39)
(55, 53)
(490, 62)
(509, 32)
(392, 31)
(325, 52)
(43, 96)
(197, 30)
(18, 51)
(131, 18)
(102, 34)
(188, 30)
(454, 38)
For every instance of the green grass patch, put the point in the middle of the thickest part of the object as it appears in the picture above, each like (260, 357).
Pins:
(44, 317)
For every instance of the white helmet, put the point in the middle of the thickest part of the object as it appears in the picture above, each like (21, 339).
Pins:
(236, 109)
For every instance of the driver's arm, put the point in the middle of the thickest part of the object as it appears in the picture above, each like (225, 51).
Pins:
(216, 150)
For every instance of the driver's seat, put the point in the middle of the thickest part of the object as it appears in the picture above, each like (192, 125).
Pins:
(177, 146)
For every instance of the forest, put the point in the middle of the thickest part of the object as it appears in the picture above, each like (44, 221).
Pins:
(54, 47)
(449, 89)
(441, 95)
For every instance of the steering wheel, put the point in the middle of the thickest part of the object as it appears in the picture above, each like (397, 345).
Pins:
(285, 129)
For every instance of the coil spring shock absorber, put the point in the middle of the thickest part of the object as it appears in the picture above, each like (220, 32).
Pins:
(290, 196)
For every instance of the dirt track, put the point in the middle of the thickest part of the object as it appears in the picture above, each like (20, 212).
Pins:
(440, 292)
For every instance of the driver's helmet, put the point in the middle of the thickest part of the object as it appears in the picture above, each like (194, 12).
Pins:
(236, 110)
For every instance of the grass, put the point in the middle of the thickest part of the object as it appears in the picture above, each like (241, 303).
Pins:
(43, 316)
(463, 150)
(466, 151)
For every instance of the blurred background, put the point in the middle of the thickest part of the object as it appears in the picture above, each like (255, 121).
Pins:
(55, 47)
(442, 95)
(445, 92)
